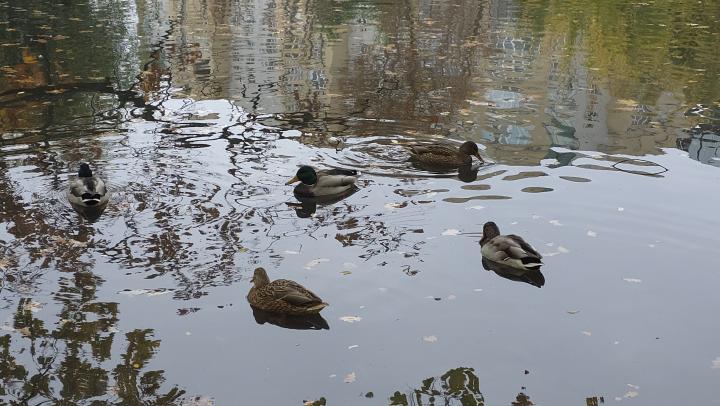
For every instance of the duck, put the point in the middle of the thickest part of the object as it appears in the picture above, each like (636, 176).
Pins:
(87, 190)
(323, 182)
(510, 250)
(446, 155)
(282, 296)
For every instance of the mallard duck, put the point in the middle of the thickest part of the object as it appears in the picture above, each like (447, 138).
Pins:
(445, 155)
(510, 250)
(323, 183)
(282, 296)
(87, 190)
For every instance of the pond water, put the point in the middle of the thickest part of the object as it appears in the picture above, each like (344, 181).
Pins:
(599, 123)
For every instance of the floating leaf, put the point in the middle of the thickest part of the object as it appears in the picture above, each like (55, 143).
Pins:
(198, 401)
(147, 292)
(29, 59)
(716, 363)
(350, 319)
(353, 346)
(315, 262)
(573, 311)
(32, 306)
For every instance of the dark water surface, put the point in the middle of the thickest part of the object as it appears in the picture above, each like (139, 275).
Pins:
(599, 121)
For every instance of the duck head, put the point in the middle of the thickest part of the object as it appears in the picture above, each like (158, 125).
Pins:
(490, 231)
(85, 171)
(470, 148)
(260, 278)
(306, 175)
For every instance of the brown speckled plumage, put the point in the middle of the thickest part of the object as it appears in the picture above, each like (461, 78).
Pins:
(445, 155)
(282, 296)
(511, 250)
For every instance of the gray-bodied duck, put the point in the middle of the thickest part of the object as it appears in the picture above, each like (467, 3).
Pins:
(323, 182)
(282, 296)
(87, 190)
(445, 155)
(510, 250)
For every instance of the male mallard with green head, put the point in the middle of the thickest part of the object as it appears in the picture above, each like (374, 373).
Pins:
(323, 183)
(282, 296)
(510, 250)
(445, 155)
(87, 190)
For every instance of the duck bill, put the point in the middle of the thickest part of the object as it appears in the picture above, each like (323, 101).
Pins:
(479, 157)
(293, 180)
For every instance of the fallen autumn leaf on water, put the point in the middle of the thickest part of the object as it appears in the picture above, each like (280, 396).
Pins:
(315, 262)
(716, 363)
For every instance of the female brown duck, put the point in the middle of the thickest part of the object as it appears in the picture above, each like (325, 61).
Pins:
(445, 155)
(510, 250)
(282, 296)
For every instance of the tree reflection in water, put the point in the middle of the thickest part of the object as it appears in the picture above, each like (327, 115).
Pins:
(70, 362)
(458, 386)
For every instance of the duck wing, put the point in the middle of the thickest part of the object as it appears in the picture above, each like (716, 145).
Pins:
(77, 188)
(336, 177)
(510, 248)
(338, 171)
(527, 248)
(293, 293)
(443, 150)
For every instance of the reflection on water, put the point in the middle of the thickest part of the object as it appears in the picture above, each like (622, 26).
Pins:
(310, 322)
(195, 112)
(458, 386)
(80, 355)
(535, 278)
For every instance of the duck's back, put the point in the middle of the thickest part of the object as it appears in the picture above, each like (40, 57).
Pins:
(511, 250)
(440, 155)
(331, 182)
(285, 296)
(88, 191)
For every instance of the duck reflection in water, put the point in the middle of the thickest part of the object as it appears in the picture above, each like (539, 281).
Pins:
(308, 205)
(89, 213)
(468, 173)
(465, 173)
(309, 322)
(533, 277)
